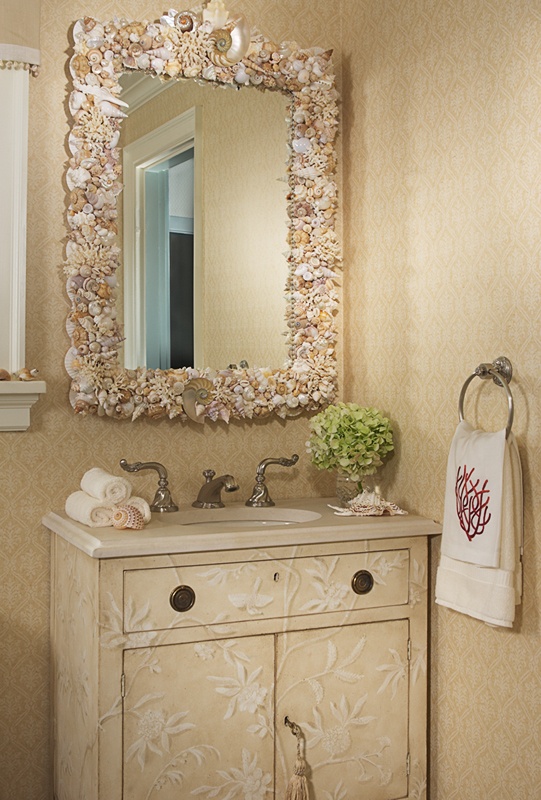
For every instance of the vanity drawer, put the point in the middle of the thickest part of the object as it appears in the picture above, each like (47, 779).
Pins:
(211, 594)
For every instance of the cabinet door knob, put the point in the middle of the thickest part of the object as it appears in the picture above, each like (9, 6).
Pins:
(182, 598)
(362, 582)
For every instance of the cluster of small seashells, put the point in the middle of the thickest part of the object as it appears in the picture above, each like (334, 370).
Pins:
(187, 45)
(24, 374)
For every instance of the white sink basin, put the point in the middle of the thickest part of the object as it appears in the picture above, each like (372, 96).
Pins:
(245, 517)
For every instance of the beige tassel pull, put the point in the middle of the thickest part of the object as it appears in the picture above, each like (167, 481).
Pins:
(297, 788)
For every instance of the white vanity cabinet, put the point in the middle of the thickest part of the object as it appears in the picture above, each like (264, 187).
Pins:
(174, 671)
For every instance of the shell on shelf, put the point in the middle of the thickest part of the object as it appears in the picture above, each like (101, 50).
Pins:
(26, 374)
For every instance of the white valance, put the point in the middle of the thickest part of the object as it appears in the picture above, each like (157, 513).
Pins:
(19, 33)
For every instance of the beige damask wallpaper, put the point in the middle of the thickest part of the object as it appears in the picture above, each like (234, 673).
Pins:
(442, 211)
(442, 141)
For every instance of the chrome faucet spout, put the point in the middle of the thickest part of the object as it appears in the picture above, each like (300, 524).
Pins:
(210, 494)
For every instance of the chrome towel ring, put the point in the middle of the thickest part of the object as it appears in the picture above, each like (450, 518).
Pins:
(501, 372)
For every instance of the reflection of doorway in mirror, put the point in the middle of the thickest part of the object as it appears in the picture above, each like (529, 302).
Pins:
(240, 223)
(161, 224)
(169, 271)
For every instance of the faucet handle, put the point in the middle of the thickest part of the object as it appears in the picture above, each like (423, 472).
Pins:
(260, 497)
(162, 499)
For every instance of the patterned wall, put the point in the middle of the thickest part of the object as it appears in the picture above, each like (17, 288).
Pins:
(40, 467)
(442, 104)
(441, 108)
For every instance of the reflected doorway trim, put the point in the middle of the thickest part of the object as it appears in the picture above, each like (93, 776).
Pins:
(161, 144)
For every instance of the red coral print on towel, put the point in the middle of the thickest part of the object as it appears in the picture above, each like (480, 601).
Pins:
(472, 502)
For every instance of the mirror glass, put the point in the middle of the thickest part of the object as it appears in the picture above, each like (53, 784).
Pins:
(240, 240)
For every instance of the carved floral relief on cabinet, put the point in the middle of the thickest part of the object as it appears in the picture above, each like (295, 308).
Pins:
(201, 703)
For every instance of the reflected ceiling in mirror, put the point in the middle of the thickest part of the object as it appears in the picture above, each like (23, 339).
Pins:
(209, 50)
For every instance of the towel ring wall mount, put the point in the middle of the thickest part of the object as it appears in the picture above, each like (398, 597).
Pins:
(501, 372)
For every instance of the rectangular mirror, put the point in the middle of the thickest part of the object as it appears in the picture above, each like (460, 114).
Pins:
(209, 50)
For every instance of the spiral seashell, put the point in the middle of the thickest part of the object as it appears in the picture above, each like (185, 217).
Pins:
(204, 390)
(94, 56)
(79, 66)
(135, 49)
(221, 39)
(198, 391)
(146, 41)
(185, 21)
(128, 517)
(230, 47)
(221, 42)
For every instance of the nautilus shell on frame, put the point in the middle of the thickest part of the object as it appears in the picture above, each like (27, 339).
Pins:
(230, 46)
(198, 391)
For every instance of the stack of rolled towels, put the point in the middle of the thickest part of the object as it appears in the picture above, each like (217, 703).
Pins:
(106, 500)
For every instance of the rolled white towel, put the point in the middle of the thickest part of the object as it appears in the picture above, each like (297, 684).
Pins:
(103, 486)
(81, 507)
(141, 505)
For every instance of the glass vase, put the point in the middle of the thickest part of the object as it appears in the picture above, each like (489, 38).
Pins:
(347, 488)
(371, 484)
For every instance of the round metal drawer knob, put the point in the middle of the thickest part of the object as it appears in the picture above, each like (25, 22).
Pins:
(182, 598)
(362, 582)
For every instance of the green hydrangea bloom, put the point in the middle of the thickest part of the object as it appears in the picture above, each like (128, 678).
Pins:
(349, 438)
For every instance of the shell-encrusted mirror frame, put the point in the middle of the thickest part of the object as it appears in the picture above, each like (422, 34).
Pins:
(186, 45)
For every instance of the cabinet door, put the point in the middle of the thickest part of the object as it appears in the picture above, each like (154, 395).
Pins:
(198, 720)
(347, 688)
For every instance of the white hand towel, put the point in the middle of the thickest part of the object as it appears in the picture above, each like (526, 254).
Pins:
(490, 593)
(141, 505)
(475, 494)
(81, 507)
(100, 484)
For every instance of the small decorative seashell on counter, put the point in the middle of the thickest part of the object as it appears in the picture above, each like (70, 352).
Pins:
(104, 499)
(128, 517)
(368, 504)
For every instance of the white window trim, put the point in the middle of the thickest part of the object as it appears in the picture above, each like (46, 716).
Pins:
(16, 397)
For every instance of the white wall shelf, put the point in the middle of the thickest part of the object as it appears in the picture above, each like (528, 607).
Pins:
(16, 400)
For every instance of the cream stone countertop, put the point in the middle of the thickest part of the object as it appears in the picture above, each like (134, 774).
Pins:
(290, 522)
